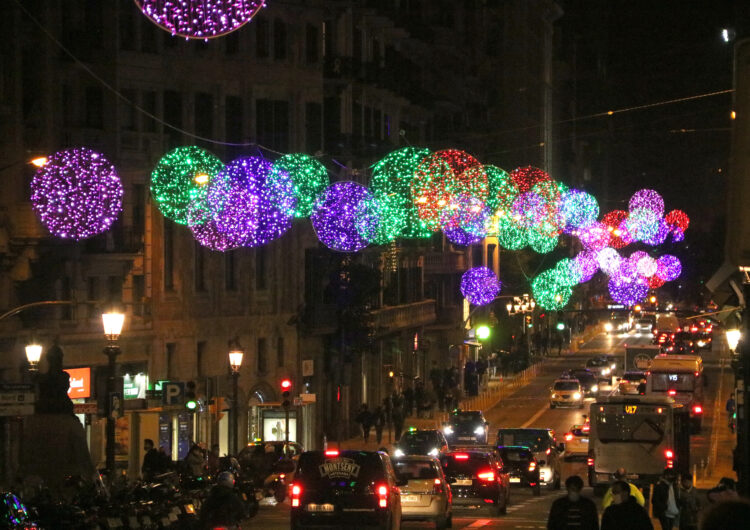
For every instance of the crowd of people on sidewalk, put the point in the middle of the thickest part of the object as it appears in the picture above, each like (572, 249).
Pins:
(675, 502)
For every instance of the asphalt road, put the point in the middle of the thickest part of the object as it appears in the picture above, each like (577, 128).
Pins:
(529, 407)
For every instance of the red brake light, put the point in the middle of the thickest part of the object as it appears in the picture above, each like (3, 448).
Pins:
(332, 452)
(697, 374)
(669, 453)
(486, 476)
(383, 496)
(590, 462)
(461, 456)
(586, 427)
(437, 486)
(568, 437)
(548, 450)
(672, 392)
(532, 466)
(296, 492)
(697, 409)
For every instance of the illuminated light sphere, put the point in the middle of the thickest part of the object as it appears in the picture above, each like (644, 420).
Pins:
(628, 293)
(678, 235)
(586, 265)
(660, 235)
(77, 194)
(465, 220)
(626, 271)
(501, 190)
(391, 220)
(253, 200)
(529, 210)
(641, 224)
(309, 177)
(480, 286)
(526, 177)
(510, 235)
(609, 261)
(199, 19)
(567, 273)
(654, 282)
(181, 179)
(646, 266)
(614, 223)
(391, 184)
(677, 219)
(207, 232)
(668, 267)
(648, 200)
(542, 242)
(594, 237)
(440, 177)
(549, 292)
(578, 209)
(344, 217)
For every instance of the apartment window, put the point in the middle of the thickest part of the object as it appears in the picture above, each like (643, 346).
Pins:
(233, 120)
(272, 123)
(262, 356)
(170, 354)
(127, 117)
(356, 119)
(280, 352)
(139, 211)
(378, 124)
(200, 267)
(332, 123)
(148, 104)
(127, 27)
(260, 268)
(114, 288)
(279, 39)
(491, 248)
(230, 273)
(313, 127)
(139, 294)
(312, 44)
(92, 294)
(476, 256)
(94, 108)
(200, 351)
(204, 116)
(168, 255)
(262, 40)
(172, 105)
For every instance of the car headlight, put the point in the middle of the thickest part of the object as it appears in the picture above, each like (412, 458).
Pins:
(595, 388)
(577, 395)
(554, 396)
(606, 371)
(701, 343)
(479, 430)
(433, 452)
(608, 327)
(613, 366)
(398, 453)
(447, 429)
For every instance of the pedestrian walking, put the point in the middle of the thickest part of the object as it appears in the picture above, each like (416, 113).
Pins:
(731, 407)
(666, 500)
(379, 421)
(690, 504)
(625, 513)
(408, 401)
(573, 511)
(620, 475)
(398, 420)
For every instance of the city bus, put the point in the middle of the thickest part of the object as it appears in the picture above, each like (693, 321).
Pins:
(681, 378)
(643, 434)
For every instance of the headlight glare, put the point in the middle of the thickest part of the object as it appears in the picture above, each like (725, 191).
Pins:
(479, 430)
(433, 452)
(448, 429)
(398, 452)
(577, 395)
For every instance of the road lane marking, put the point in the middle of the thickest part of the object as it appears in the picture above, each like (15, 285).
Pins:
(535, 416)
(479, 523)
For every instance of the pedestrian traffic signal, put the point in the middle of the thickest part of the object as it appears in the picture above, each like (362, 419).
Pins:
(286, 387)
(191, 401)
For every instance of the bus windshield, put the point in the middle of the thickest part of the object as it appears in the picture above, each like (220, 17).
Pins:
(618, 426)
(684, 382)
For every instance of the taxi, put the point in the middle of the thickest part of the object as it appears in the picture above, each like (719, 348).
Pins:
(566, 392)
(577, 441)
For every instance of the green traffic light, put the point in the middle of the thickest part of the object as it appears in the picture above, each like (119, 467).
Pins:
(483, 332)
(191, 405)
(561, 326)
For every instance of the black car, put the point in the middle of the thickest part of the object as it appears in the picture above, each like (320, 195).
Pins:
(347, 488)
(522, 466)
(427, 442)
(466, 426)
(478, 478)
(601, 365)
(543, 445)
(588, 380)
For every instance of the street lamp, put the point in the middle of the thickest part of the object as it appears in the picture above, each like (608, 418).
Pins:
(112, 323)
(235, 363)
(522, 305)
(733, 338)
(33, 354)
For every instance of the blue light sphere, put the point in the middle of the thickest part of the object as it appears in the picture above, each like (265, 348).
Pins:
(345, 217)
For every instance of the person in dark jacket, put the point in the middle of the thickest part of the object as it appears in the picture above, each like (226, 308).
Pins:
(666, 500)
(378, 420)
(573, 511)
(222, 507)
(153, 461)
(690, 503)
(625, 513)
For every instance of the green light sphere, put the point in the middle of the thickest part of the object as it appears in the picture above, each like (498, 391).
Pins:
(181, 177)
(501, 192)
(549, 291)
(309, 178)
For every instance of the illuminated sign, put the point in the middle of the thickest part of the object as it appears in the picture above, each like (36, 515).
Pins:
(80, 382)
(134, 386)
(631, 409)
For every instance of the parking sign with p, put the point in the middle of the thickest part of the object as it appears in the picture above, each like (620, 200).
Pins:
(172, 393)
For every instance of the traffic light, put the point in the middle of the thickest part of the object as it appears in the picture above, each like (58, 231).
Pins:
(561, 326)
(286, 387)
(191, 401)
(483, 332)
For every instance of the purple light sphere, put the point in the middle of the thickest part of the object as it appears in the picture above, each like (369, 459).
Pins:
(594, 237)
(480, 286)
(668, 267)
(647, 199)
(344, 217)
(77, 194)
(627, 293)
(586, 265)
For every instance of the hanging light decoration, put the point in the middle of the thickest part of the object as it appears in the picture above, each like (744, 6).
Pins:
(199, 19)
(209, 234)
(527, 177)
(614, 223)
(647, 200)
(77, 194)
(594, 237)
(510, 235)
(309, 177)
(646, 266)
(501, 190)
(480, 286)
(641, 224)
(660, 235)
(609, 261)
(180, 180)
(578, 209)
(628, 293)
(668, 267)
(344, 217)
(586, 265)
(549, 292)
(465, 220)
(678, 223)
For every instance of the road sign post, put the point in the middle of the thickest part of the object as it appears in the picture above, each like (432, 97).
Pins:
(172, 393)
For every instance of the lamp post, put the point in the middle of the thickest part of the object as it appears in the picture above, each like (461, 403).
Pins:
(522, 305)
(235, 362)
(112, 323)
(33, 354)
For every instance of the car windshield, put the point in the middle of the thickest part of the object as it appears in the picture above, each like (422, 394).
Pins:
(615, 426)
(680, 382)
(454, 464)
(579, 432)
(515, 455)
(567, 385)
(597, 362)
(352, 469)
(419, 438)
(534, 439)
(466, 418)
(583, 377)
(634, 377)
(416, 469)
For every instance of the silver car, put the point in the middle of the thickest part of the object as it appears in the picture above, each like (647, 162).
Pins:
(427, 495)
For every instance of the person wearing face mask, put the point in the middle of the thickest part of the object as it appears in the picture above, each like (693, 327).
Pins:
(573, 511)
(625, 513)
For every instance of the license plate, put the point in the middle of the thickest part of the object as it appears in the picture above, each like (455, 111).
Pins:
(410, 498)
(463, 482)
(585, 440)
(514, 480)
(465, 437)
(320, 507)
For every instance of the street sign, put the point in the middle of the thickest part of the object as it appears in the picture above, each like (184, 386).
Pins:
(85, 408)
(307, 368)
(21, 409)
(172, 393)
(16, 397)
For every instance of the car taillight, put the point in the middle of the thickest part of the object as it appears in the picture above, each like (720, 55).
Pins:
(697, 409)
(461, 456)
(486, 476)
(586, 428)
(332, 452)
(296, 492)
(669, 455)
(532, 466)
(568, 437)
(383, 496)
(590, 461)
(282, 476)
(437, 486)
(672, 392)
(548, 451)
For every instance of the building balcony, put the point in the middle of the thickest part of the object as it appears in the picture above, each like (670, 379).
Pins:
(118, 240)
(394, 318)
(448, 262)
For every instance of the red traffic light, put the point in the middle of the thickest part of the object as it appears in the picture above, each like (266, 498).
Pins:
(286, 384)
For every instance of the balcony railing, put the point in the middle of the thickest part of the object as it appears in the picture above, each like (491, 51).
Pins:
(404, 316)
